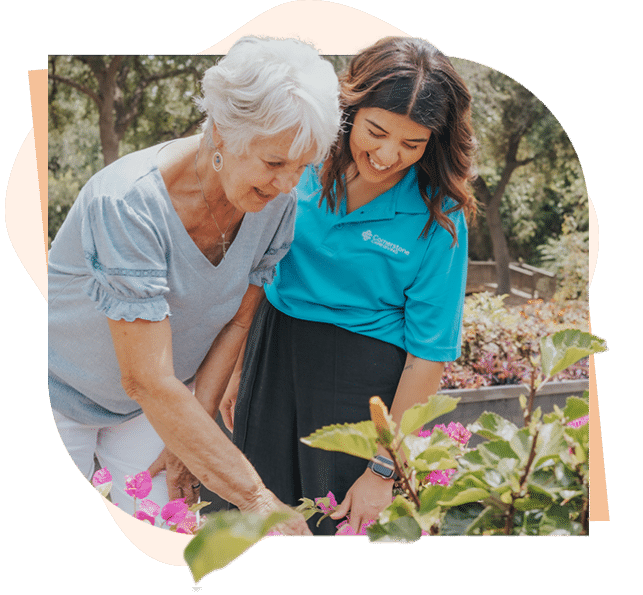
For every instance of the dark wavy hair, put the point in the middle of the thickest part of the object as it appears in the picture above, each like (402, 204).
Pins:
(411, 77)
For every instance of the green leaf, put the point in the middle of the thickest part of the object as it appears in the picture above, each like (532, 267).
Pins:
(556, 518)
(495, 450)
(198, 506)
(357, 439)
(430, 497)
(459, 519)
(399, 521)
(225, 536)
(575, 408)
(406, 529)
(493, 427)
(551, 443)
(420, 415)
(565, 348)
(532, 502)
(433, 458)
(457, 497)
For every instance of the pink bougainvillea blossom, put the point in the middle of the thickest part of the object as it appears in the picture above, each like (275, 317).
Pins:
(441, 477)
(322, 506)
(458, 432)
(581, 421)
(148, 511)
(188, 524)
(455, 430)
(138, 486)
(101, 476)
(174, 511)
(345, 529)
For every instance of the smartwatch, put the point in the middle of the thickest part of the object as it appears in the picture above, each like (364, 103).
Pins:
(383, 467)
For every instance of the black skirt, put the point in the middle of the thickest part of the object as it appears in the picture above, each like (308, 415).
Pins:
(299, 376)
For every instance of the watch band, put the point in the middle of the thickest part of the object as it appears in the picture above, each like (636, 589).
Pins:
(383, 467)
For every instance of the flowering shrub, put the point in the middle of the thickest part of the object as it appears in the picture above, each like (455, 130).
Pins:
(175, 515)
(498, 341)
(521, 481)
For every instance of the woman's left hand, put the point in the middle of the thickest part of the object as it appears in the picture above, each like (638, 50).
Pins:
(367, 497)
(180, 482)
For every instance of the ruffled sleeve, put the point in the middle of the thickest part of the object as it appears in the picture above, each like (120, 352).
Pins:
(126, 255)
(264, 271)
(435, 300)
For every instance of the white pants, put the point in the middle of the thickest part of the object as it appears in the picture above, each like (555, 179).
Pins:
(124, 449)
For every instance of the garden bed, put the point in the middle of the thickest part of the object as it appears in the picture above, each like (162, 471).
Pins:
(504, 400)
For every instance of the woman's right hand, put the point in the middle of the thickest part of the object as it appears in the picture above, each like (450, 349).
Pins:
(268, 503)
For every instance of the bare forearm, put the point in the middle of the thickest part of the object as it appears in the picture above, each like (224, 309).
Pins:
(190, 432)
(420, 379)
(218, 367)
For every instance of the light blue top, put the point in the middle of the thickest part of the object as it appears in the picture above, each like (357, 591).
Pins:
(124, 253)
(370, 271)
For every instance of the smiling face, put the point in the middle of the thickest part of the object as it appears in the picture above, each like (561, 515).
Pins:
(384, 145)
(250, 181)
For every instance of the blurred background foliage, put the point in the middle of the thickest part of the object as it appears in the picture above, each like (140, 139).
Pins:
(531, 190)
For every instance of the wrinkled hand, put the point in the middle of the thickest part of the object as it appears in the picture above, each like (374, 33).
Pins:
(180, 482)
(366, 498)
(268, 503)
(228, 403)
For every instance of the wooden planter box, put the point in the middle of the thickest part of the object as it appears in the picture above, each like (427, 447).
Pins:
(503, 400)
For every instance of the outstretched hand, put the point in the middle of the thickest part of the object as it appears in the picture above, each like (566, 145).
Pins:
(180, 481)
(366, 498)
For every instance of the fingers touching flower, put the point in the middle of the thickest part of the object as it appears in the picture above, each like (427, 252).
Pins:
(138, 486)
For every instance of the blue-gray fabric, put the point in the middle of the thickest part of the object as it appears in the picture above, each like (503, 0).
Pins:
(124, 253)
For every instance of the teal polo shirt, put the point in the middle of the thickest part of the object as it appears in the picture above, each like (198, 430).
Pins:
(372, 273)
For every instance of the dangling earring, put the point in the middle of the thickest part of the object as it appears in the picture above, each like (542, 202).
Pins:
(217, 160)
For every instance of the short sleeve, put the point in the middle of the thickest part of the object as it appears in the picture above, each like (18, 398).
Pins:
(127, 259)
(434, 302)
(264, 272)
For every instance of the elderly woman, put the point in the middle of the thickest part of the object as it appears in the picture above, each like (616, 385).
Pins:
(169, 247)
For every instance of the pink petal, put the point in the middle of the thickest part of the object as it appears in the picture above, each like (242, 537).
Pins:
(581, 421)
(174, 511)
(138, 486)
(101, 476)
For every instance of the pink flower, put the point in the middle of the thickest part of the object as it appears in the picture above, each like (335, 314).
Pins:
(188, 524)
(581, 421)
(101, 476)
(138, 486)
(440, 477)
(345, 529)
(456, 431)
(148, 511)
(332, 503)
(459, 433)
(174, 511)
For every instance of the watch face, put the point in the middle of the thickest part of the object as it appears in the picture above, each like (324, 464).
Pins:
(383, 471)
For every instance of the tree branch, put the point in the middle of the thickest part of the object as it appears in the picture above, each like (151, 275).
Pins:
(75, 85)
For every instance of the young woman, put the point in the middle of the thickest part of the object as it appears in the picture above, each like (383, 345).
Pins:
(369, 299)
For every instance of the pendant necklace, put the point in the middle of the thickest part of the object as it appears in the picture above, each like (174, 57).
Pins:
(223, 243)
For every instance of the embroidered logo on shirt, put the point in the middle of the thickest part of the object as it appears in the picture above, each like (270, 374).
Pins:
(375, 239)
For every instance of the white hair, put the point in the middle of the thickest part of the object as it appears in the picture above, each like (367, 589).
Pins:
(264, 87)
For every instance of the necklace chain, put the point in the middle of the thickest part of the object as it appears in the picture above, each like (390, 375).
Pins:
(223, 242)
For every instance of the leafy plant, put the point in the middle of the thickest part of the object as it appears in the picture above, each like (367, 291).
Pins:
(532, 480)
(521, 481)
